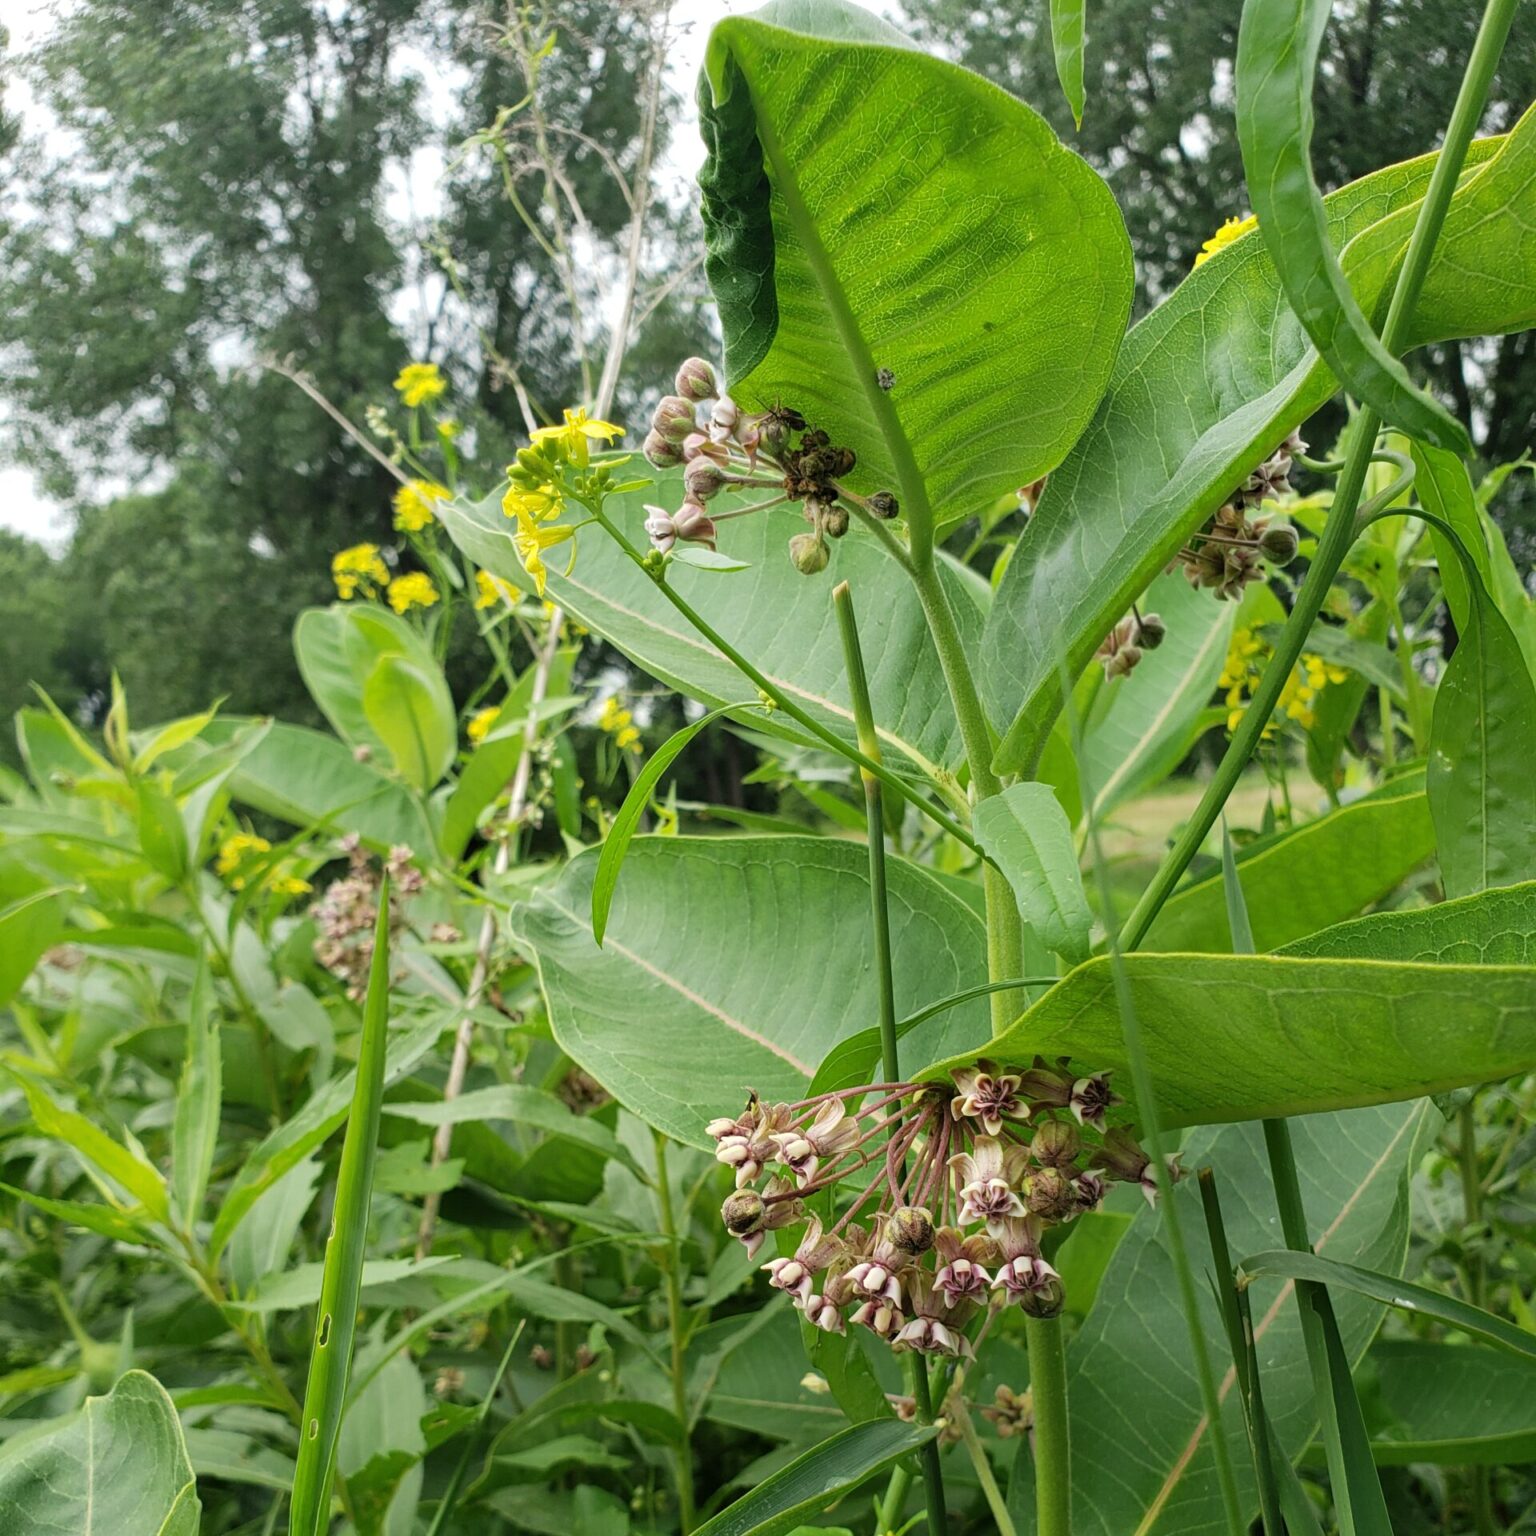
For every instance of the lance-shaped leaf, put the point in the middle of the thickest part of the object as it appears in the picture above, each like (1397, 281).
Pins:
(732, 964)
(118, 1467)
(1277, 49)
(1024, 831)
(1314, 1034)
(906, 254)
(199, 1098)
(775, 616)
(1067, 46)
(1206, 386)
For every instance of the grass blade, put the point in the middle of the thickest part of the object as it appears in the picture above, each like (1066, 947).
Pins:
(336, 1326)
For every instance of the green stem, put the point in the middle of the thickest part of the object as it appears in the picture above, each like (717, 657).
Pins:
(827, 737)
(1477, 1285)
(977, 1452)
(869, 744)
(673, 1266)
(1340, 530)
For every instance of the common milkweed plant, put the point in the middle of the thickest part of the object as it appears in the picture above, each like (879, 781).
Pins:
(926, 1095)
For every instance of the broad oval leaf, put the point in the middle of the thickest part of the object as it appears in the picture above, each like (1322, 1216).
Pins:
(905, 254)
(1140, 1443)
(1277, 49)
(1309, 878)
(411, 712)
(117, 1466)
(771, 613)
(733, 964)
(1206, 386)
(1317, 1034)
(808, 1484)
(1024, 831)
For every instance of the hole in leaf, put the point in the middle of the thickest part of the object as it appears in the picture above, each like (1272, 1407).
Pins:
(325, 1331)
(314, 1429)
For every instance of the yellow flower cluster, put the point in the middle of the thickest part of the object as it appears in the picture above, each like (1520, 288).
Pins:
(413, 504)
(414, 590)
(574, 437)
(619, 724)
(237, 851)
(489, 591)
(1232, 230)
(420, 383)
(480, 723)
(1246, 658)
(358, 569)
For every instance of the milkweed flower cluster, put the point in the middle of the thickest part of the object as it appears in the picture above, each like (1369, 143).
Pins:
(1228, 553)
(963, 1183)
(1247, 657)
(726, 451)
(346, 913)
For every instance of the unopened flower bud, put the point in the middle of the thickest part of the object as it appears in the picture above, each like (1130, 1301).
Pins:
(1279, 544)
(695, 380)
(1049, 1195)
(1055, 1144)
(743, 1212)
(660, 451)
(884, 504)
(911, 1229)
(808, 553)
(704, 478)
(694, 523)
(674, 418)
(1151, 632)
(834, 520)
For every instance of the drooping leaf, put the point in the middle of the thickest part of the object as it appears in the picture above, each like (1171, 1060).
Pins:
(1067, 44)
(809, 1483)
(905, 254)
(1205, 387)
(1314, 1035)
(1024, 832)
(117, 1467)
(1140, 1445)
(717, 974)
(1277, 49)
(341, 1282)
(780, 619)
(1309, 878)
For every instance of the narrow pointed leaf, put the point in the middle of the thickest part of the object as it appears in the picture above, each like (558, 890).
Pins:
(199, 1098)
(1067, 20)
(1277, 50)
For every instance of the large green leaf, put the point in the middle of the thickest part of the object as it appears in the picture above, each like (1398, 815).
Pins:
(118, 1467)
(1140, 1443)
(28, 926)
(1277, 48)
(409, 708)
(1143, 724)
(732, 964)
(1491, 928)
(1240, 1037)
(906, 254)
(781, 620)
(1206, 386)
(1309, 878)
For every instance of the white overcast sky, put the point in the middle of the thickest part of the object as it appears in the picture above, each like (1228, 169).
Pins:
(27, 21)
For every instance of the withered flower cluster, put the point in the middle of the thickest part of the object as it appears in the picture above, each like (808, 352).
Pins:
(962, 1184)
(345, 913)
(726, 451)
(1227, 554)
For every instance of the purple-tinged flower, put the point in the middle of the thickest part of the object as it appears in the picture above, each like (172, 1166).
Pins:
(833, 1132)
(812, 1255)
(882, 1317)
(982, 1093)
(1030, 1281)
(1091, 1097)
(961, 1275)
(934, 1328)
(1090, 1189)
(988, 1177)
(697, 445)
(876, 1276)
(1123, 1158)
(1047, 1087)
(723, 417)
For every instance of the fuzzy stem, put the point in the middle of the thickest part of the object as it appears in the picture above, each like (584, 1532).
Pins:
(869, 745)
(1341, 528)
(996, 1503)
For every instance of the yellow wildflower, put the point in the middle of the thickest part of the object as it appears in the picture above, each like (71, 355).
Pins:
(1232, 230)
(489, 590)
(531, 541)
(414, 590)
(617, 722)
(358, 569)
(419, 383)
(540, 505)
(575, 435)
(1246, 658)
(448, 428)
(237, 849)
(290, 885)
(480, 723)
(413, 504)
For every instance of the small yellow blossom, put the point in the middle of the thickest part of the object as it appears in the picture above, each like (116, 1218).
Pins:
(617, 722)
(489, 590)
(575, 435)
(237, 849)
(290, 885)
(480, 723)
(540, 505)
(1246, 659)
(530, 541)
(413, 504)
(1232, 230)
(448, 428)
(358, 569)
(414, 590)
(419, 383)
